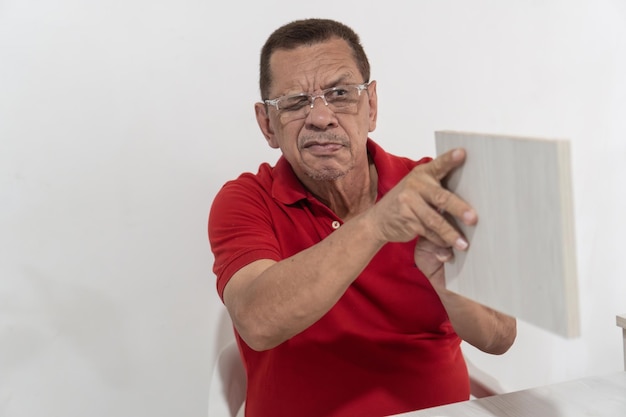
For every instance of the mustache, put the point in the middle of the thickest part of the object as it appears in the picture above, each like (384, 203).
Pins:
(322, 139)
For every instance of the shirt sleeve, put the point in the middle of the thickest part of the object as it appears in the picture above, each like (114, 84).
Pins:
(240, 229)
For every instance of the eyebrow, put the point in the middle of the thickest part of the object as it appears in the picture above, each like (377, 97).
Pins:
(339, 80)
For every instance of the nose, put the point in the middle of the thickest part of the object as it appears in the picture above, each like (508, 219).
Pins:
(320, 117)
(322, 96)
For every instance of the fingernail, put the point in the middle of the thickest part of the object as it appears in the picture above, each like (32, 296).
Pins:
(443, 255)
(461, 244)
(469, 216)
(457, 154)
(442, 258)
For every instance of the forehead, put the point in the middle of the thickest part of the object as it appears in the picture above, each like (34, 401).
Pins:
(312, 67)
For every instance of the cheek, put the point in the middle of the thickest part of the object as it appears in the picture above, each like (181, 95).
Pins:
(286, 138)
(363, 127)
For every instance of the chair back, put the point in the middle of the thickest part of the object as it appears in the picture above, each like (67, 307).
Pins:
(227, 389)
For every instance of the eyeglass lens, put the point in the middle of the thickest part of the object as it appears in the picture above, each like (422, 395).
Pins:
(341, 99)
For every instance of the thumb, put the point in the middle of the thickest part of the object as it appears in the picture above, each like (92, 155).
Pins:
(429, 257)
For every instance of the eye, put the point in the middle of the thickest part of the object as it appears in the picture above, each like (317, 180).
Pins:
(293, 103)
(338, 93)
(343, 96)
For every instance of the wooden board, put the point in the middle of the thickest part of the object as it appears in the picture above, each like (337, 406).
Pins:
(522, 258)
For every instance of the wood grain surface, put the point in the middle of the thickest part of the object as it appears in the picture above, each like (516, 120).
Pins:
(522, 258)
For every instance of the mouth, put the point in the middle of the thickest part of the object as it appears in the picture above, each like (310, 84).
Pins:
(323, 145)
(322, 148)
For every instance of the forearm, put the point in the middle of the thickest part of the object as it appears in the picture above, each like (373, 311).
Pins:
(488, 330)
(279, 300)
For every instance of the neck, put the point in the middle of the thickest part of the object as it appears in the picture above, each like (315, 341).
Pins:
(351, 194)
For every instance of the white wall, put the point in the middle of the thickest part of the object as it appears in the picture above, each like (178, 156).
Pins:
(119, 121)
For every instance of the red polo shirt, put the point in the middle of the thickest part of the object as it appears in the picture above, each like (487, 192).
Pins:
(386, 347)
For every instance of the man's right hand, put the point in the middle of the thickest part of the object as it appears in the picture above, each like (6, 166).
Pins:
(416, 206)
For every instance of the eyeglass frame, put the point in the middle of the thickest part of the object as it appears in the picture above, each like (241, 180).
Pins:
(312, 97)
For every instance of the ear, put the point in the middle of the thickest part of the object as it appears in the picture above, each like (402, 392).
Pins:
(263, 119)
(373, 102)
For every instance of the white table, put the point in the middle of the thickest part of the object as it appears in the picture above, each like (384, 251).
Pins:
(601, 396)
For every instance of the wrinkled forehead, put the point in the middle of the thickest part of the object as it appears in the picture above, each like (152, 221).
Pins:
(313, 67)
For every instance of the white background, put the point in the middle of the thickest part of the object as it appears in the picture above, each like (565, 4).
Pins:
(120, 120)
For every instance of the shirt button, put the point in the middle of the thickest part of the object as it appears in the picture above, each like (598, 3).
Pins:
(336, 224)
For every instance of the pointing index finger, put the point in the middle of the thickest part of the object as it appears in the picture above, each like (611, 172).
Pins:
(446, 162)
(441, 167)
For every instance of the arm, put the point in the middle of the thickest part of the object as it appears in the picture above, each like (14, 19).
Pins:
(484, 328)
(269, 302)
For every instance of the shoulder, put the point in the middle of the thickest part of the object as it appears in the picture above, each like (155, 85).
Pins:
(391, 168)
(246, 186)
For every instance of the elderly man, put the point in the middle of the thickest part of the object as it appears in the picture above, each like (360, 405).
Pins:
(330, 261)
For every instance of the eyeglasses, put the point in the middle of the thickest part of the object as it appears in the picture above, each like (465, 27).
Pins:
(340, 99)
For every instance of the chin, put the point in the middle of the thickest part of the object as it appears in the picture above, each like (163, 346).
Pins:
(327, 174)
